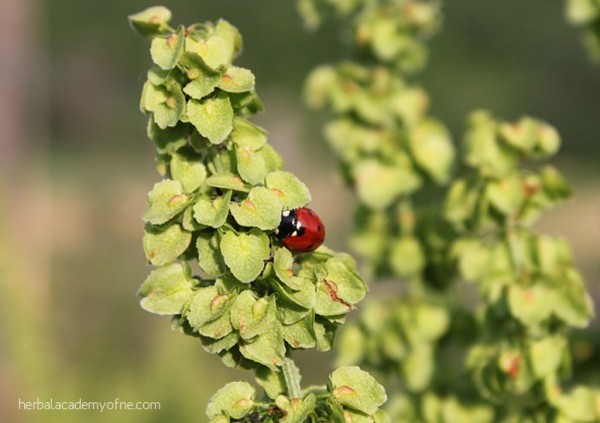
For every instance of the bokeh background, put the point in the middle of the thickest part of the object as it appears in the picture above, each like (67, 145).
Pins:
(75, 167)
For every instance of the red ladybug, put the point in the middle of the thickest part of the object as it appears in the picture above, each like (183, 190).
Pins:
(300, 230)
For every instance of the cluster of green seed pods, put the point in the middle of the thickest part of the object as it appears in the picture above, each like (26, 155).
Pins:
(499, 356)
(531, 292)
(392, 153)
(250, 299)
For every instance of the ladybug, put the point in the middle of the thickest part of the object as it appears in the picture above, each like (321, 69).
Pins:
(300, 230)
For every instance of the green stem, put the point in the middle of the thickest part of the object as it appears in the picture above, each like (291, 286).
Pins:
(292, 377)
(406, 217)
(515, 251)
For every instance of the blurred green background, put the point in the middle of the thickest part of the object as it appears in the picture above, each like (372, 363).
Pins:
(76, 167)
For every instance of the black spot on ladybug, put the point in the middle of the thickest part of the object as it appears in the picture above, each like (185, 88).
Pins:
(319, 228)
(301, 231)
(311, 246)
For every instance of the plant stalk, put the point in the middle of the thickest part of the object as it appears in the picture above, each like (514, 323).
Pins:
(292, 377)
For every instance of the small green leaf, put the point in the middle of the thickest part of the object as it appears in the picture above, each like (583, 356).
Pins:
(165, 201)
(354, 416)
(325, 332)
(245, 253)
(168, 140)
(213, 212)
(432, 148)
(232, 35)
(571, 301)
(418, 367)
(430, 322)
(370, 237)
(410, 104)
(357, 389)
(460, 202)
(158, 76)
(237, 80)
(217, 346)
(235, 399)
(209, 254)
(165, 51)
(386, 41)
(271, 381)
(554, 183)
(313, 15)
(339, 289)
(300, 334)
(247, 103)
(473, 259)
(374, 313)
(253, 317)
(201, 87)
(546, 355)
(548, 254)
(483, 149)
(150, 22)
(189, 223)
(406, 256)
(304, 297)
(272, 158)
(581, 12)
(378, 184)
(247, 135)
(548, 141)
(267, 349)
(203, 79)
(166, 102)
(282, 263)
(393, 346)
(191, 172)
(220, 161)
(261, 209)
(453, 411)
(213, 50)
(522, 135)
(212, 117)
(296, 410)
(507, 195)
(531, 305)
(167, 289)
(318, 86)
(208, 313)
(251, 165)
(163, 247)
(227, 181)
(192, 65)
(217, 46)
(579, 405)
(292, 193)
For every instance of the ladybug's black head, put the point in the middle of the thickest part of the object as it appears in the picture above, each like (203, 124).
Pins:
(287, 225)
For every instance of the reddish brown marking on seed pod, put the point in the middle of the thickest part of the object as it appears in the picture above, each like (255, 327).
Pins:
(332, 289)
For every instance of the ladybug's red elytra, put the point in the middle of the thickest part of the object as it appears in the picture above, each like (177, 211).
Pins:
(300, 230)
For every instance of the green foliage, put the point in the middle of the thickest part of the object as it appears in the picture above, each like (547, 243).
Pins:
(504, 358)
(352, 395)
(586, 14)
(220, 203)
